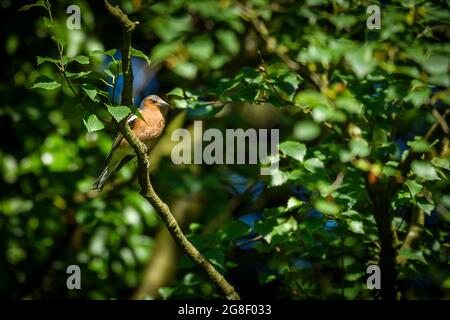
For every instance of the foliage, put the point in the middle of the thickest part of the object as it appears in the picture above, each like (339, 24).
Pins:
(364, 141)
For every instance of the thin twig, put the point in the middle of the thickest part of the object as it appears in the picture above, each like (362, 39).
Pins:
(271, 43)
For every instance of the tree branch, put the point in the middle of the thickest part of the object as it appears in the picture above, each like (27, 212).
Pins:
(416, 225)
(143, 164)
(381, 195)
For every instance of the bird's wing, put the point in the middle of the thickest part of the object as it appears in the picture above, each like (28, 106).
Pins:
(131, 121)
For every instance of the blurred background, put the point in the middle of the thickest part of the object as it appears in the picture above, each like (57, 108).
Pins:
(350, 103)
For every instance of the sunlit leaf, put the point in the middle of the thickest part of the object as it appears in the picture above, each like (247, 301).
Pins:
(140, 54)
(294, 149)
(81, 59)
(90, 90)
(413, 187)
(45, 83)
(306, 130)
(424, 169)
(411, 254)
(326, 207)
(92, 123)
(40, 3)
(118, 112)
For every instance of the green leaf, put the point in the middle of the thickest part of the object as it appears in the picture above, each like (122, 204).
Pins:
(419, 145)
(361, 61)
(285, 226)
(48, 23)
(45, 83)
(164, 49)
(234, 230)
(312, 164)
(359, 147)
(293, 203)
(201, 48)
(178, 92)
(41, 60)
(114, 68)
(118, 112)
(166, 292)
(191, 279)
(266, 278)
(186, 70)
(310, 98)
(446, 283)
(424, 169)
(426, 205)
(195, 226)
(349, 104)
(414, 187)
(440, 79)
(59, 37)
(110, 53)
(306, 130)
(277, 178)
(137, 113)
(356, 226)
(180, 104)
(443, 163)
(81, 59)
(93, 123)
(343, 20)
(436, 64)
(39, 3)
(229, 41)
(109, 73)
(216, 257)
(326, 207)
(140, 54)
(90, 90)
(167, 26)
(294, 149)
(418, 97)
(77, 75)
(400, 199)
(411, 254)
(323, 113)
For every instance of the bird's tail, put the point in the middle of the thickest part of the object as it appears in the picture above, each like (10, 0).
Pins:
(113, 164)
(102, 178)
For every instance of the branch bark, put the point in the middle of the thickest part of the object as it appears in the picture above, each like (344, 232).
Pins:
(139, 148)
(416, 225)
(380, 197)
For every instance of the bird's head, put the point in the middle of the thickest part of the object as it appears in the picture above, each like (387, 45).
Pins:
(155, 101)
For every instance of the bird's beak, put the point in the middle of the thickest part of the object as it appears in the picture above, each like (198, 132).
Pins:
(164, 104)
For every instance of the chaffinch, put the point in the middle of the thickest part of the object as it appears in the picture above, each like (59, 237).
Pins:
(154, 110)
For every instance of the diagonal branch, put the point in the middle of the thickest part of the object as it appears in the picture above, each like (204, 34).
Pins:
(143, 164)
(415, 230)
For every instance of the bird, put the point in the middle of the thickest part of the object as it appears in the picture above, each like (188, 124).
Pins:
(154, 111)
